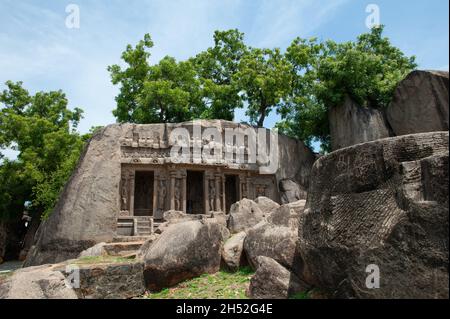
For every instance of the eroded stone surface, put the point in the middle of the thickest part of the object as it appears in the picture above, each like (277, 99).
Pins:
(351, 124)
(273, 281)
(420, 103)
(233, 251)
(276, 236)
(244, 215)
(266, 205)
(382, 203)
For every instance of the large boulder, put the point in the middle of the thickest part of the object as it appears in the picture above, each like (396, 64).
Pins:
(266, 205)
(183, 251)
(41, 282)
(420, 103)
(233, 251)
(276, 237)
(379, 206)
(352, 124)
(273, 281)
(244, 215)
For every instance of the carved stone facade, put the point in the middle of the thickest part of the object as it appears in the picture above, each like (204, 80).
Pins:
(171, 183)
(193, 186)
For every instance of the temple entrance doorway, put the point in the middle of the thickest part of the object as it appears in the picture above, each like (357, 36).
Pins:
(194, 192)
(231, 191)
(143, 193)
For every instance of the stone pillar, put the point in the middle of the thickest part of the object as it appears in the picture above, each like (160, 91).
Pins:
(224, 208)
(217, 187)
(132, 177)
(155, 193)
(172, 190)
(183, 192)
(206, 193)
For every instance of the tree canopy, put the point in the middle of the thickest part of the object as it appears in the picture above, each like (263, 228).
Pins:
(301, 84)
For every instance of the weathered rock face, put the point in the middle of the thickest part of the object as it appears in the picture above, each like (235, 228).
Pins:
(233, 251)
(382, 203)
(42, 282)
(99, 191)
(420, 103)
(290, 191)
(266, 205)
(276, 237)
(183, 251)
(273, 281)
(351, 124)
(244, 215)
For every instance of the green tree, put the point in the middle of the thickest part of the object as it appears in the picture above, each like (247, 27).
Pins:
(131, 79)
(171, 93)
(368, 70)
(265, 79)
(43, 131)
(216, 68)
(168, 91)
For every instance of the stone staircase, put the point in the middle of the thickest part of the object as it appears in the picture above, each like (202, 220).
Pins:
(143, 226)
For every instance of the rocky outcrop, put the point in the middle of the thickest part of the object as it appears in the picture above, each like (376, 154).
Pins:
(183, 251)
(352, 124)
(276, 237)
(273, 281)
(420, 103)
(382, 203)
(233, 252)
(244, 215)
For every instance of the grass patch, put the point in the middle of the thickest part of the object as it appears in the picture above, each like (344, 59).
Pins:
(221, 285)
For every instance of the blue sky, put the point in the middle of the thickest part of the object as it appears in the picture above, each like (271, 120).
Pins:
(37, 48)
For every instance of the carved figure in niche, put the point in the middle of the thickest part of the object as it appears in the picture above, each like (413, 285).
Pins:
(177, 195)
(212, 196)
(260, 190)
(162, 192)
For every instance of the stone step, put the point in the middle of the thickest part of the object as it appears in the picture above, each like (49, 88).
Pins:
(121, 239)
